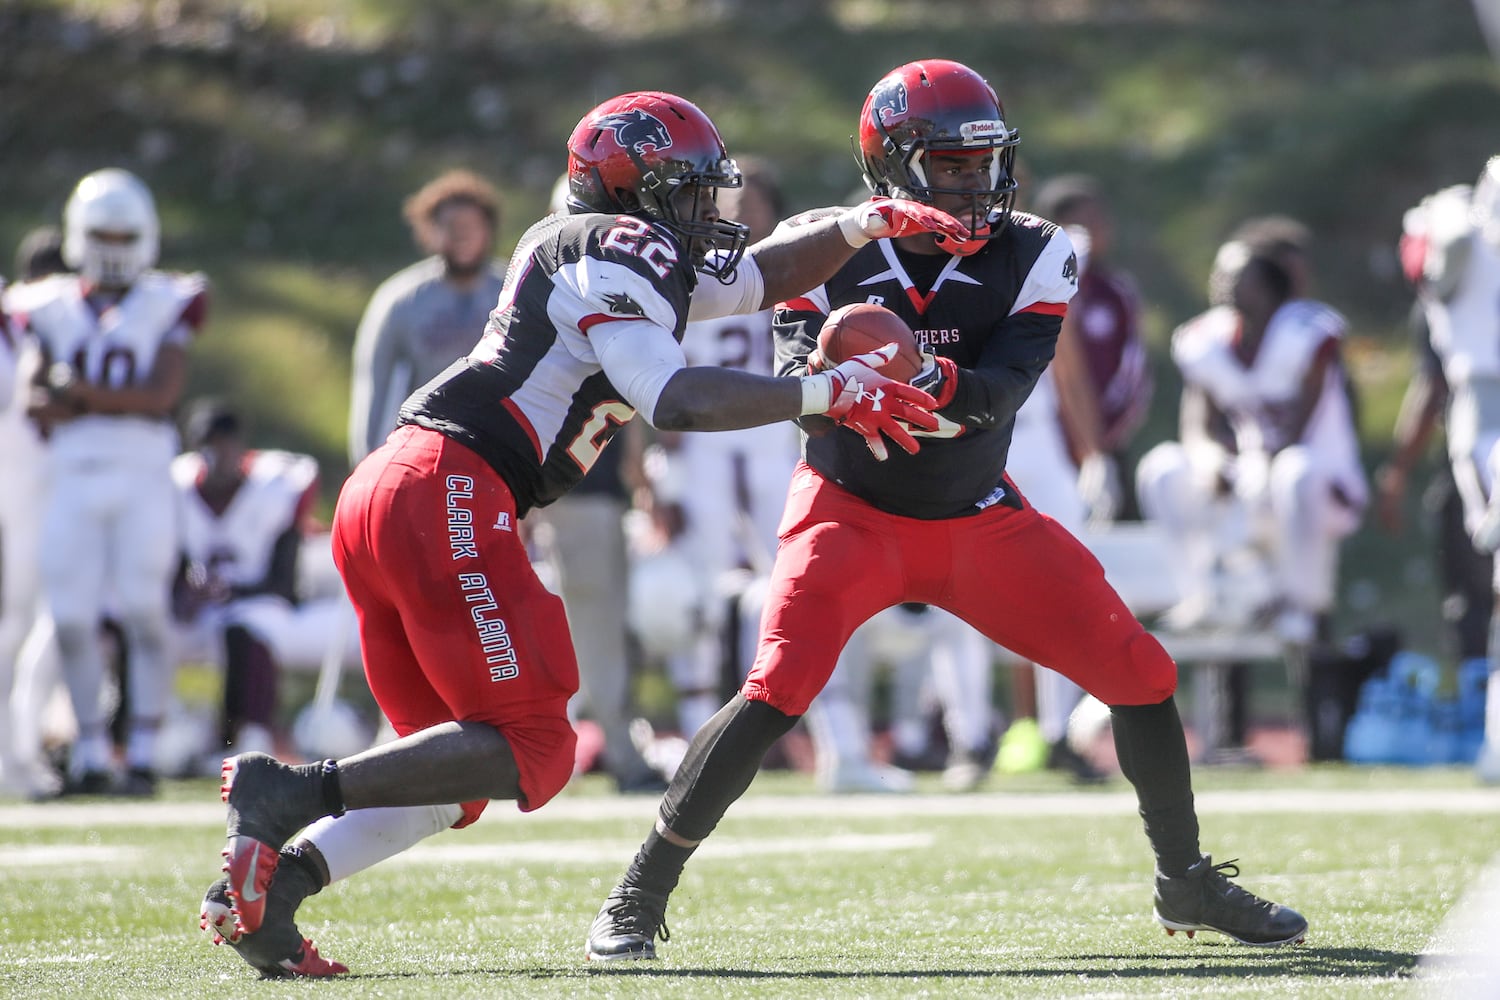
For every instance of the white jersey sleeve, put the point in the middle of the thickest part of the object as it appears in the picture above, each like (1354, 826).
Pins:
(1053, 278)
(743, 294)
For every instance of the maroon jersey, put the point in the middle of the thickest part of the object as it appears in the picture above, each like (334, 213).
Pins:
(531, 398)
(995, 313)
(1108, 312)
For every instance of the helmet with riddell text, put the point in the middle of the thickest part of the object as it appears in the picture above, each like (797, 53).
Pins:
(939, 107)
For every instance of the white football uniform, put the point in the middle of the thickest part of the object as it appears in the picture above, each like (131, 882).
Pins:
(235, 547)
(738, 478)
(732, 488)
(1296, 499)
(109, 529)
(1463, 320)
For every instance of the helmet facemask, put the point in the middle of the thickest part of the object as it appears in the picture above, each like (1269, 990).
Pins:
(902, 174)
(715, 248)
(111, 231)
(638, 154)
(932, 108)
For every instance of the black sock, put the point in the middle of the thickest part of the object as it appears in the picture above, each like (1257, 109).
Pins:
(658, 865)
(297, 873)
(1153, 756)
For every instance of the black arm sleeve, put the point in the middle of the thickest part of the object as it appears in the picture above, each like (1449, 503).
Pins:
(991, 391)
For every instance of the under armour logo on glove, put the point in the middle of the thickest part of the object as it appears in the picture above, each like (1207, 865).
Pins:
(872, 405)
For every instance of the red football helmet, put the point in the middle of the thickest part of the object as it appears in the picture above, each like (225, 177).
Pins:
(633, 152)
(938, 106)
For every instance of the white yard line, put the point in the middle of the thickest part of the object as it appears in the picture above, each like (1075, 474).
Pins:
(1475, 801)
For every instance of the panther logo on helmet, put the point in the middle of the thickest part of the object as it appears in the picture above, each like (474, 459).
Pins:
(892, 103)
(937, 107)
(635, 129)
(634, 153)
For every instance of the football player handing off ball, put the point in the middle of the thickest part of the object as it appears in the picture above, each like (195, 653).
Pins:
(942, 525)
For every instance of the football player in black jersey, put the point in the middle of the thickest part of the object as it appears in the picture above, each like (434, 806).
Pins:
(466, 652)
(943, 526)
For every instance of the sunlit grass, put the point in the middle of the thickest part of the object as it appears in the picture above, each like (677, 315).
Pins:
(985, 896)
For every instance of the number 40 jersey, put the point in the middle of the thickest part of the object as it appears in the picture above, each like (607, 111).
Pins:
(116, 346)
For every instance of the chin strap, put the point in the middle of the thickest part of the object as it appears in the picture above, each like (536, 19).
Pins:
(960, 247)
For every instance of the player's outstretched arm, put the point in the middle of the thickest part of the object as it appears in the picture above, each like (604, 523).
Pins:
(797, 257)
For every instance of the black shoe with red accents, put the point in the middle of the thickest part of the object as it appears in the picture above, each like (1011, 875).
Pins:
(628, 925)
(1205, 900)
(278, 950)
(267, 801)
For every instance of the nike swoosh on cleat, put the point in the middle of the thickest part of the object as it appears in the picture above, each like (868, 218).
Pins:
(247, 893)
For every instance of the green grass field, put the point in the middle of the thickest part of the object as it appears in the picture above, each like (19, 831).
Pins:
(1031, 889)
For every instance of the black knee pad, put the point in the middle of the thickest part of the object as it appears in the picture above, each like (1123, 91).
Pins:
(720, 764)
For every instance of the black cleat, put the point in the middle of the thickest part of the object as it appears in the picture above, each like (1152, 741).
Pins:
(1205, 900)
(268, 802)
(628, 925)
(87, 783)
(278, 950)
(138, 783)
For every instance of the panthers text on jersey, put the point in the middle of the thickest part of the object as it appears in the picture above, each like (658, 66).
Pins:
(995, 313)
(531, 398)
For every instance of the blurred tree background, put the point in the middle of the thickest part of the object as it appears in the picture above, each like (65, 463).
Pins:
(280, 137)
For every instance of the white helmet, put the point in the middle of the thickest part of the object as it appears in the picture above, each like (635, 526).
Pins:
(111, 201)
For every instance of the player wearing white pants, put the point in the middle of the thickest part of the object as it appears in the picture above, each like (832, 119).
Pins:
(1268, 466)
(1456, 235)
(114, 338)
(15, 538)
(1043, 470)
(243, 515)
(731, 494)
(729, 488)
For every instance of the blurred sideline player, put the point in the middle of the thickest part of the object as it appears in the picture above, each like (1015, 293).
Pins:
(1267, 470)
(244, 515)
(1105, 321)
(23, 700)
(1452, 245)
(465, 650)
(944, 525)
(425, 315)
(1260, 524)
(114, 343)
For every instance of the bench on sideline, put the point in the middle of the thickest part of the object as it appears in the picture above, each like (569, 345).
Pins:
(1136, 560)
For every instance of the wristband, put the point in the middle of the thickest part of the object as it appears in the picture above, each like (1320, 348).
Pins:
(852, 225)
(817, 393)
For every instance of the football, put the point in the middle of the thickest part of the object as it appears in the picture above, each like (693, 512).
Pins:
(863, 326)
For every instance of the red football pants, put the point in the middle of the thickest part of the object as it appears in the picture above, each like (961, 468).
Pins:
(453, 623)
(1015, 575)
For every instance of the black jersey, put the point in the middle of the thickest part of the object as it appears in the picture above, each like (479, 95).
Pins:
(995, 313)
(531, 398)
